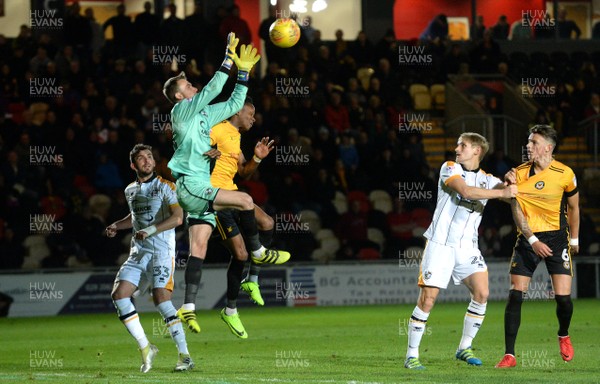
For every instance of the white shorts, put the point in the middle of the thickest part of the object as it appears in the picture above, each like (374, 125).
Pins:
(148, 265)
(440, 262)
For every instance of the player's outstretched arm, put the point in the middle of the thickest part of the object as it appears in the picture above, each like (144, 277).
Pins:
(540, 248)
(475, 193)
(261, 150)
(124, 223)
(175, 220)
(186, 110)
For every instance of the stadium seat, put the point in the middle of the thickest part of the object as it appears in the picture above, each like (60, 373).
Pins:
(313, 220)
(438, 95)
(340, 202)
(594, 248)
(330, 245)
(377, 194)
(324, 233)
(422, 101)
(364, 76)
(416, 88)
(369, 254)
(321, 256)
(376, 236)
(385, 206)
(505, 230)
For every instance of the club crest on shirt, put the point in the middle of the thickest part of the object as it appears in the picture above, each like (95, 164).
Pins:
(539, 185)
(483, 185)
(208, 192)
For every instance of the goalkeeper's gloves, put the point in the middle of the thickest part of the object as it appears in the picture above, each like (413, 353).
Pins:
(246, 60)
(230, 55)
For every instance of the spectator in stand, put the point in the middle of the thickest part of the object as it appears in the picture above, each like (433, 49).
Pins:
(234, 23)
(521, 29)
(123, 33)
(566, 27)
(339, 47)
(348, 153)
(485, 55)
(437, 29)
(97, 36)
(499, 164)
(146, 27)
(501, 29)
(78, 31)
(172, 29)
(544, 29)
(362, 50)
(307, 30)
(336, 114)
(477, 29)
(197, 35)
(593, 108)
(352, 230)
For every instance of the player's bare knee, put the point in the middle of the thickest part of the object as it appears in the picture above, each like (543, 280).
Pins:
(426, 301)
(265, 223)
(481, 296)
(160, 295)
(246, 201)
(240, 253)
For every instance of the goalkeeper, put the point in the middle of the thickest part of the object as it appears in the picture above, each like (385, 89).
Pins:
(192, 118)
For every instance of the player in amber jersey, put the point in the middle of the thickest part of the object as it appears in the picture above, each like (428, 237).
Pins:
(231, 161)
(546, 212)
(452, 248)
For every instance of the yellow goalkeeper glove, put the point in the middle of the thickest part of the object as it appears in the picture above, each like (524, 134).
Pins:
(230, 55)
(246, 60)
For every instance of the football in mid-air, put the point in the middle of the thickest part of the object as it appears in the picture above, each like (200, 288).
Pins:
(284, 33)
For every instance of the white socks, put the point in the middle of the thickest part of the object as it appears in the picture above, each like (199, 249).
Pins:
(473, 320)
(131, 320)
(169, 313)
(416, 329)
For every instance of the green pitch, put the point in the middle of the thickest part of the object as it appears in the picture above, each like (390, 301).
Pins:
(301, 345)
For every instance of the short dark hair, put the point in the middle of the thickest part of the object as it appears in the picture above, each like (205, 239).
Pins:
(547, 132)
(171, 88)
(136, 151)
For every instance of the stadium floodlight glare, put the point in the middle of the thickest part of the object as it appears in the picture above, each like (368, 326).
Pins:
(319, 5)
(273, 2)
(299, 6)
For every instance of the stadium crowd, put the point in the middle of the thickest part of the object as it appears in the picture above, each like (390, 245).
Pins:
(74, 104)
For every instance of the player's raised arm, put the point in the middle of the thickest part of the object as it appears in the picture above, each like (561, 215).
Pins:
(261, 150)
(188, 101)
(248, 58)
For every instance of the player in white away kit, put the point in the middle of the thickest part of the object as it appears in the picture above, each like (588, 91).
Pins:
(154, 213)
(452, 248)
